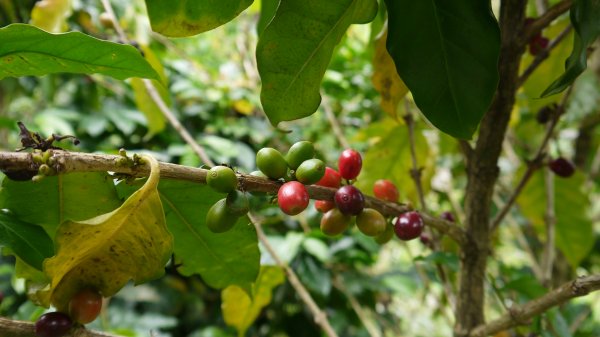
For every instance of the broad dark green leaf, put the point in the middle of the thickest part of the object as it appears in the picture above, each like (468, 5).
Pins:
(180, 18)
(230, 258)
(29, 51)
(390, 158)
(28, 241)
(574, 230)
(295, 48)
(585, 18)
(446, 52)
(267, 11)
(75, 196)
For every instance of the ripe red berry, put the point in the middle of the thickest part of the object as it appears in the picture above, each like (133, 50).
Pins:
(386, 190)
(324, 206)
(349, 200)
(538, 44)
(85, 306)
(53, 324)
(562, 167)
(292, 198)
(331, 178)
(349, 164)
(409, 225)
(448, 216)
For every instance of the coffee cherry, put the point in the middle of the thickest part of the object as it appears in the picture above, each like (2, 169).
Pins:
(349, 164)
(298, 153)
(258, 174)
(271, 163)
(562, 167)
(448, 216)
(324, 206)
(349, 200)
(387, 234)
(409, 225)
(370, 222)
(222, 179)
(310, 171)
(237, 203)
(334, 222)
(106, 20)
(425, 239)
(85, 306)
(331, 178)
(538, 44)
(545, 113)
(219, 219)
(385, 190)
(53, 324)
(292, 198)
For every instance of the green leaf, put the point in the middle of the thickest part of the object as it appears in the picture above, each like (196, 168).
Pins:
(27, 241)
(29, 51)
(390, 157)
(267, 11)
(180, 18)
(55, 199)
(106, 252)
(222, 259)
(585, 18)
(447, 53)
(295, 48)
(239, 310)
(574, 230)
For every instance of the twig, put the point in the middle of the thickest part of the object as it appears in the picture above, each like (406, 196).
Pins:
(543, 21)
(64, 162)
(543, 55)
(335, 125)
(521, 314)
(534, 164)
(14, 328)
(415, 171)
(550, 218)
(320, 316)
(157, 99)
(369, 325)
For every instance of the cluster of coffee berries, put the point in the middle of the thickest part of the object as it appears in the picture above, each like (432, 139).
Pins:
(83, 308)
(223, 215)
(538, 43)
(297, 168)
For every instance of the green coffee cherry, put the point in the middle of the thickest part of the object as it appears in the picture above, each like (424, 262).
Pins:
(387, 234)
(370, 222)
(298, 153)
(219, 219)
(237, 203)
(271, 163)
(222, 179)
(310, 171)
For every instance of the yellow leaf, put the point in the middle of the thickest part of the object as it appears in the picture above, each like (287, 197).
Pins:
(105, 252)
(243, 107)
(51, 15)
(385, 77)
(239, 310)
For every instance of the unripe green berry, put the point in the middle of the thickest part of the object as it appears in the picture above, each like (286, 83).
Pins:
(271, 163)
(310, 171)
(219, 219)
(222, 179)
(298, 153)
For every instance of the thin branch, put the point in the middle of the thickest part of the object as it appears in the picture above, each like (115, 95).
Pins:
(68, 162)
(550, 218)
(541, 6)
(534, 164)
(157, 99)
(319, 315)
(335, 125)
(14, 328)
(546, 19)
(415, 171)
(362, 314)
(543, 55)
(521, 314)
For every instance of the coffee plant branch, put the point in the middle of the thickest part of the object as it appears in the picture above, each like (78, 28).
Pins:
(63, 162)
(13, 328)
(521, 315)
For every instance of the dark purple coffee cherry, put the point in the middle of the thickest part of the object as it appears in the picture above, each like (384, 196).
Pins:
(349, 200)
(409, 225)
(562, 167)
(448, 216)
(53, 324)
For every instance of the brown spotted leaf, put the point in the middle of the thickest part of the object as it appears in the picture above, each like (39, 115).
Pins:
(105, 252)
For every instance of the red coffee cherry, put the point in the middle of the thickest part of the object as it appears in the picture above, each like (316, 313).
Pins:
(53, 324)
(385, 190)
(292, 198)
(448, 216)
(331, 178)
(409, 226)
(349, 200)
(324, 206)
(349, 164)
(85, 306)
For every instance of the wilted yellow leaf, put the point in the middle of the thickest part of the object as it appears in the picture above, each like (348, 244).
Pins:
(51, 15)
(385, 78)
(105, 252)
(239, 310)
